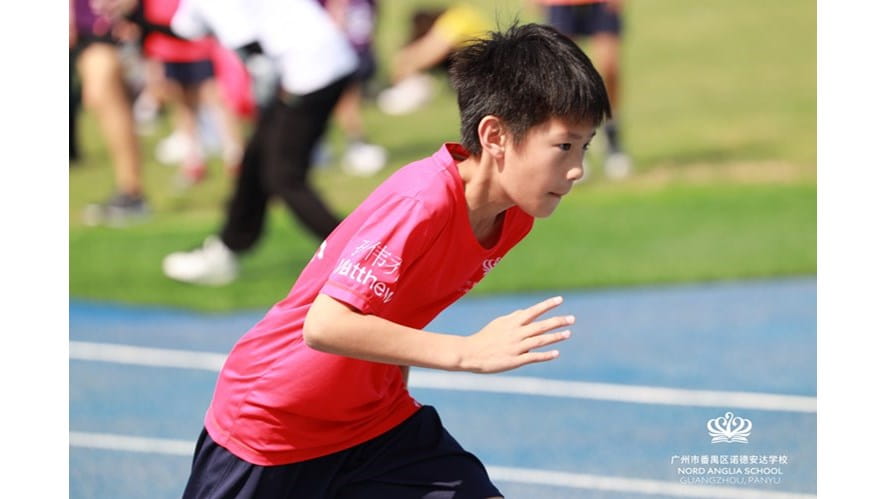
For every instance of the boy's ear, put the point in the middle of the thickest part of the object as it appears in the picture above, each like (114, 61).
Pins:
(493, 135)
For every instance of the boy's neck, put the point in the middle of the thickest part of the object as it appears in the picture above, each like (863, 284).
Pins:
(485, 199)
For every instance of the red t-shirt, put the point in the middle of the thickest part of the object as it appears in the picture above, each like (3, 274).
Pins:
(405, 254)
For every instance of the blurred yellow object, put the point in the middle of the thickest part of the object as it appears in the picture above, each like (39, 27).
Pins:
(461, 23)
(568, 2)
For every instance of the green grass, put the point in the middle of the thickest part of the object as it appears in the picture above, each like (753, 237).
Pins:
(720, 96)
(677, 234)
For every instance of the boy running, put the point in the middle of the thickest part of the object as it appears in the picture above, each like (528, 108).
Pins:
(313, 402)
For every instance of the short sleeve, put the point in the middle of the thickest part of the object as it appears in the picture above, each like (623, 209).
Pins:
(231, 22)
(187, 22)
(379, 253)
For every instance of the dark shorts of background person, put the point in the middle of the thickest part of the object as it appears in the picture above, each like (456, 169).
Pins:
(366, 66)
(585, 20)
(189, 73)
(418, 458)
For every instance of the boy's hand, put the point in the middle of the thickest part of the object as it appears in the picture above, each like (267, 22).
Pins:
(507, 342)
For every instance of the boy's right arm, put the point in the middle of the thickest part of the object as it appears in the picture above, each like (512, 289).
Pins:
(506, 343)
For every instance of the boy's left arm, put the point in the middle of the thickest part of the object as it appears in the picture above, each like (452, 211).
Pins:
(506, 343)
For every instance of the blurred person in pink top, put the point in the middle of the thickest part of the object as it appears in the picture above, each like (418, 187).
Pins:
(189, 84)
(312, 401)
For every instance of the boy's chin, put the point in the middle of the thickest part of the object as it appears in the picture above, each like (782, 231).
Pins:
(543, 210)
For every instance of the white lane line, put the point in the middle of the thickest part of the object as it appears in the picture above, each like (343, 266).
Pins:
(631, 485)
(523, 385)
(143, 356)
(613, 392)
(132, 444)
(548, 478)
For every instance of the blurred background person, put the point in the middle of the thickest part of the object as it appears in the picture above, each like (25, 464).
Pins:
(598, 23)
(315, 64)
(100, 78)
(357, 19)
(435, 35)
(202, 120)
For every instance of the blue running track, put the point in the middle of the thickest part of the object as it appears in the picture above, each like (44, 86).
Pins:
(622, 413)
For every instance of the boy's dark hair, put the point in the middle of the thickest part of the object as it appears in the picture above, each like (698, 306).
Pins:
(525, 76)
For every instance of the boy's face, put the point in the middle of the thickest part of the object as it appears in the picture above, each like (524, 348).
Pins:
(541, 170)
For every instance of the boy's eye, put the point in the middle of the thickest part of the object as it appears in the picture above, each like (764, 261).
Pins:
(585, 146)
(564, 147)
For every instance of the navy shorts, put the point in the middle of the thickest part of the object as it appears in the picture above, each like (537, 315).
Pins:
(416, 459)
(366, 66)
(189, 73)
(585, 20)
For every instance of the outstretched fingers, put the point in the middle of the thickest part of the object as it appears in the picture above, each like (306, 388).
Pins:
(538, 334)
(512, 340)
(536, 357)
(543, 340)
(550, 324)
(532, 313)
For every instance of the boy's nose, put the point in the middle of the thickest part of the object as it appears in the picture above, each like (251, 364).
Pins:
(576, 172)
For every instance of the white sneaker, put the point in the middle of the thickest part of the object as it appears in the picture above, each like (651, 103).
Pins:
(407, 96)
(213, 264)
(364, 160)
(173, 149)
(617, 165)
